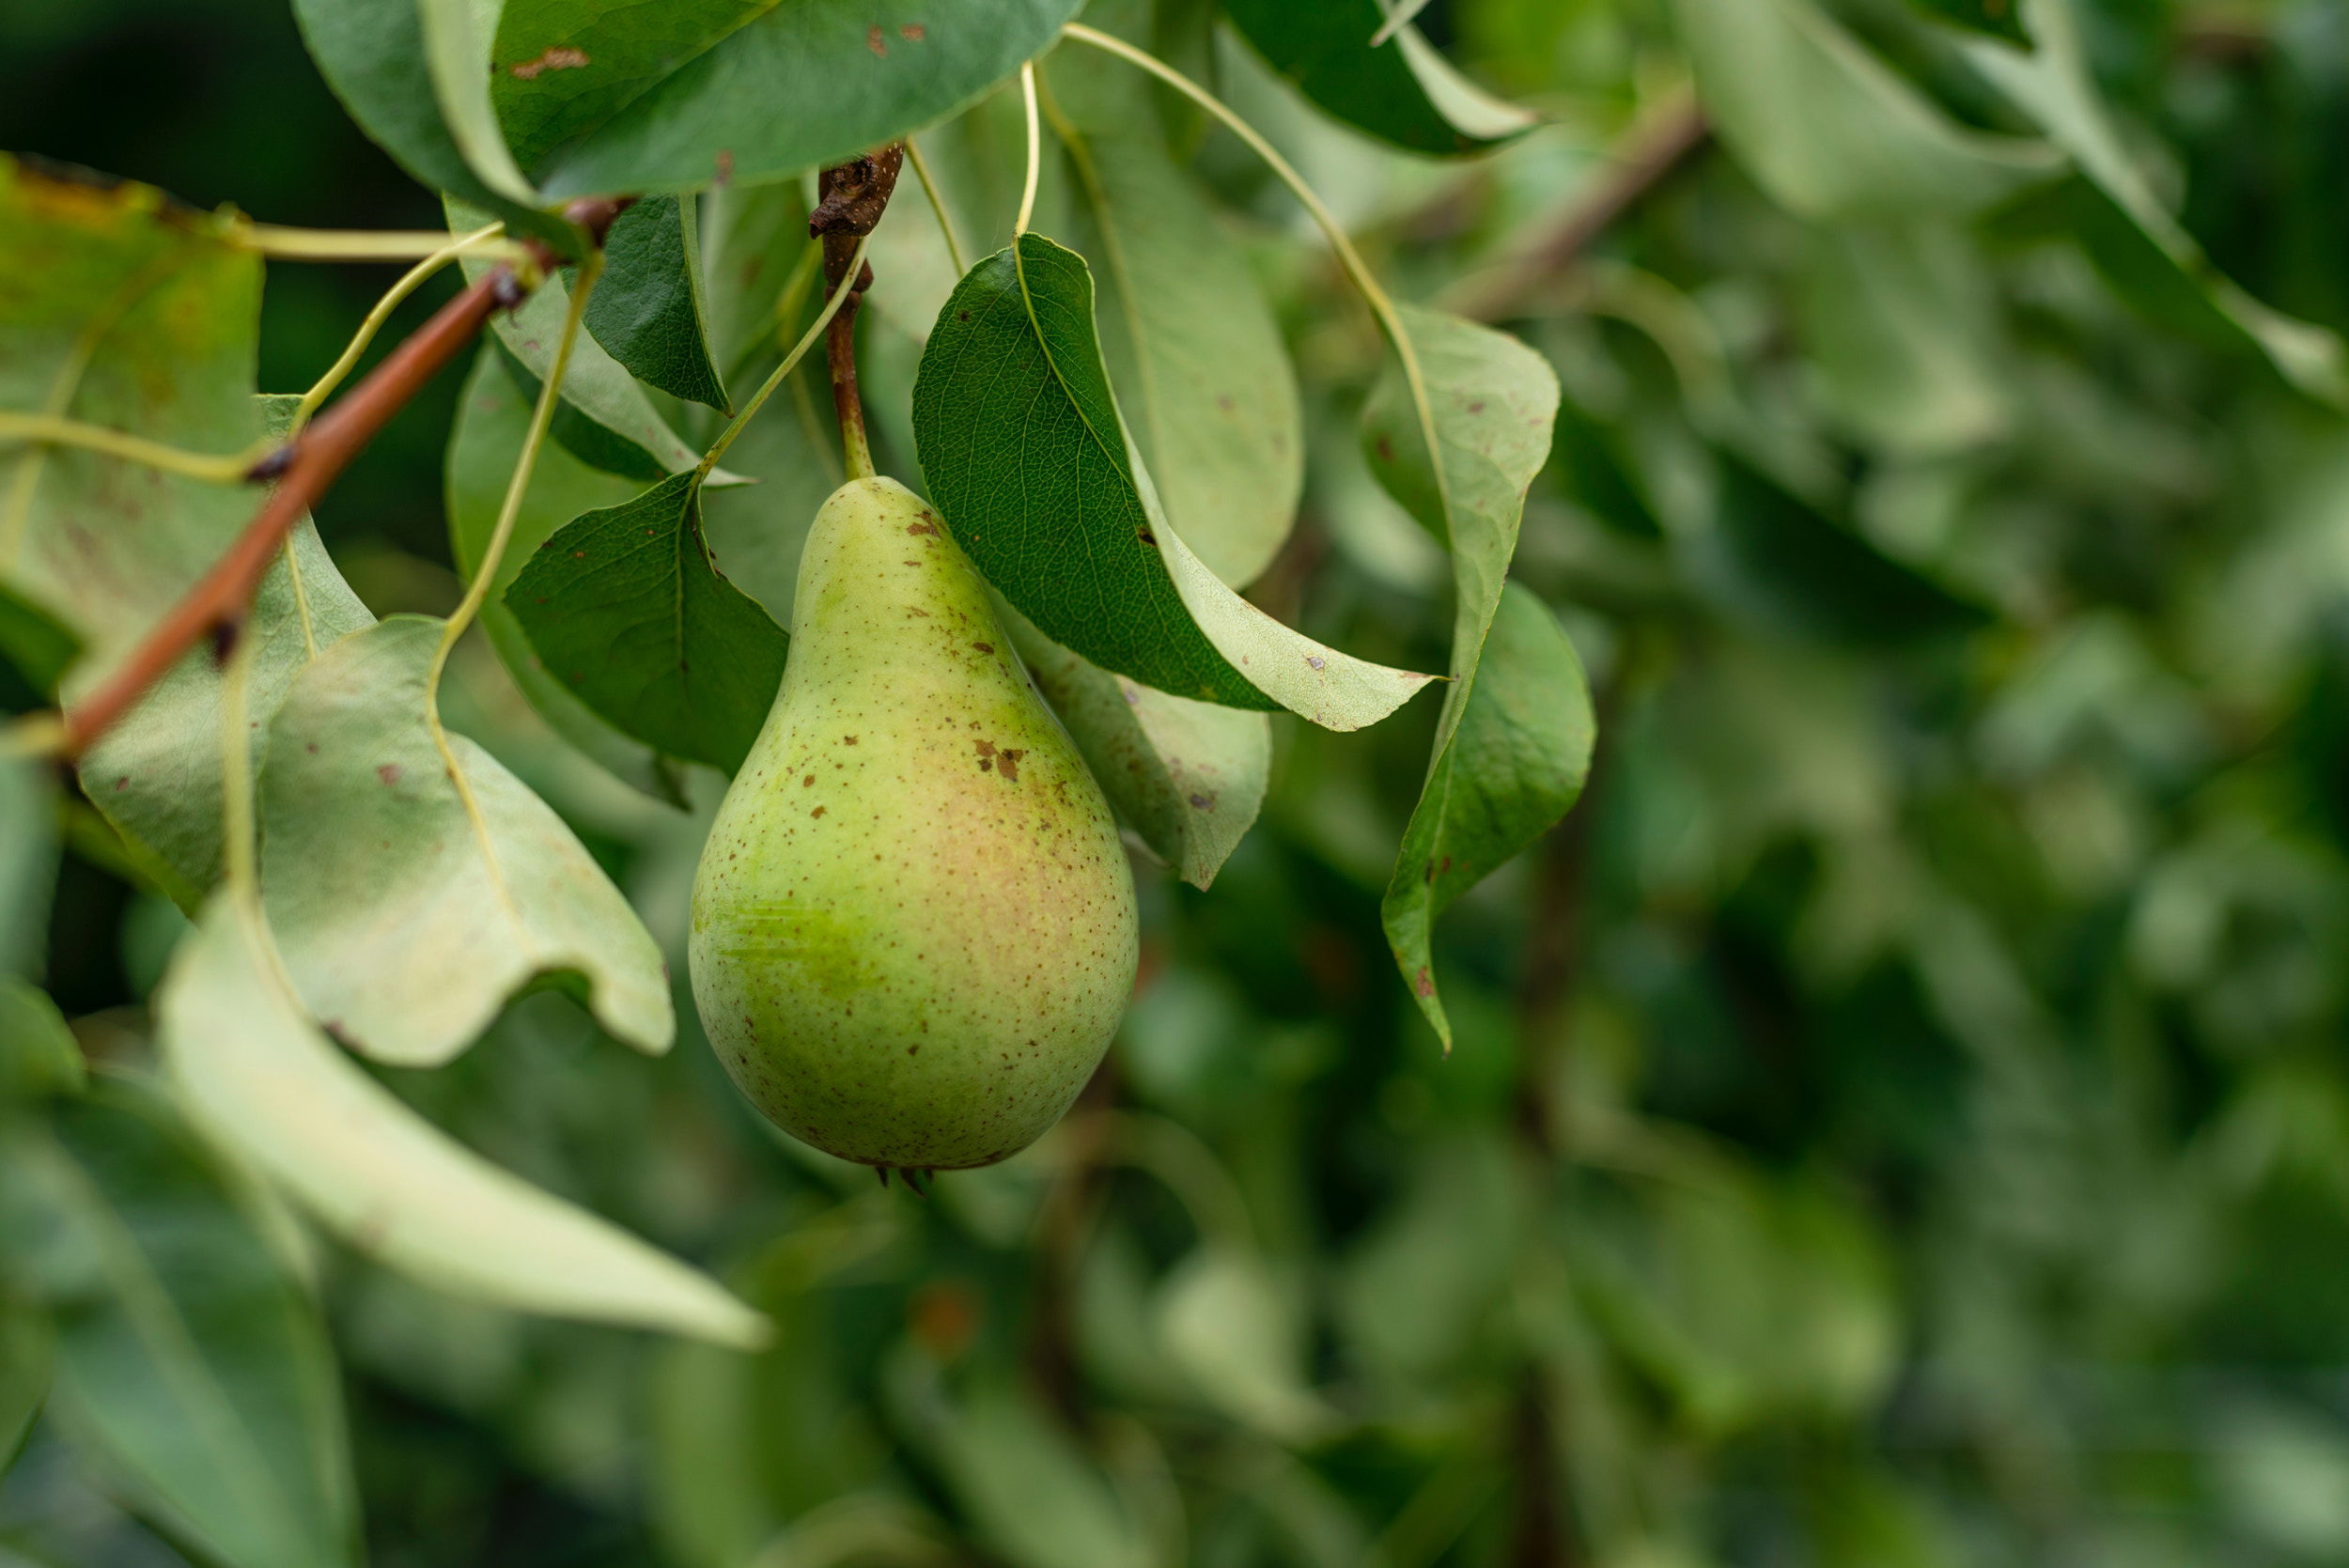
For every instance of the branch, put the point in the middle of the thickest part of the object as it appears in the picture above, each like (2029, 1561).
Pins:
(853, 197)
(1651, 150)
(306, 468)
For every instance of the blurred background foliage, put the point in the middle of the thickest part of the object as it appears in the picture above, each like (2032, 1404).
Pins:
(1898, 1121)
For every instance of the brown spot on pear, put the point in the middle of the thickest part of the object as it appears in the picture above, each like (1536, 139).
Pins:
(921, 909)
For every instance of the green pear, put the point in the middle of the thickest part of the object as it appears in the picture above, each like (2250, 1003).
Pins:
(913, 923)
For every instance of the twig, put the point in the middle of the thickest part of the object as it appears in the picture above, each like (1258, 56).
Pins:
(851, 197)
(1652, 149)
(304, 469)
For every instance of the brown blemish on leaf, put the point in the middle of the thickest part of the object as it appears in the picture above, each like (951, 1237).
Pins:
(1422, 982)
(1315, 660)
(1145, 536)
(1477, 407)
(726, 166)
(1385, 448)
(557, 57)
(875, 42)
(389, 772)
(912, 32)
(1202, 802)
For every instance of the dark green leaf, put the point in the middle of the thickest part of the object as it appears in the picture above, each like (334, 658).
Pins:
(1403, 90)
(377, 55)
(648, 310)
(28, 862)
(1492, 402)
(192, 1369)
(2001, 19)
(38, 1056)
(1187, 334)
(413, 889)
(625, 607)
(1026, 455)
(1779, 557)
(1831, 131)
(492, 419)
(40, 646)
(25, 1364)
(600, 96)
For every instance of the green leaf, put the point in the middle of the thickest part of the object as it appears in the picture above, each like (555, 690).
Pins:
(1492, 402)
(1830, 131)
(625, 607)
(1224, 1322)
(1512, 769)
(604, 419)
(2136, 241)
(2001, 19)
(1036, 1499)
(28, 862)
(492, 419)
(1186, 334)
(38, 1055)
(119, 308)
(1903, 333)
(648, 309)
(40, 646)
(1028, 458)
(244, 1060)
(414, 891)
(599, 96)
(1788, 565)
(399, 66)
(192, 1369)
(26, 1364)
(1188, 777)
(1401, 91)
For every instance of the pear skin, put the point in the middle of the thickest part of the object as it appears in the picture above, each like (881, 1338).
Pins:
(913, 923)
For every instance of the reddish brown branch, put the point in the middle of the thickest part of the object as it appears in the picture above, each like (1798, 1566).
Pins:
(851, 197)
(304, 469)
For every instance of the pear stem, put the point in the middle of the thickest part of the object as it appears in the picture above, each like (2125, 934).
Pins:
(853, 197)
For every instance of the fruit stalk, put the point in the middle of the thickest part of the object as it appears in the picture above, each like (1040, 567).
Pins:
(852, 199)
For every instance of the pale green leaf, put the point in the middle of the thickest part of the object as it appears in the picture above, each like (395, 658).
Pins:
(28, 862)
(1036, 1499)
(252, 1066)
(1224, 1322)
(413, 893)
(1188, 777)
(1903, 334)
(457, 56)
(1506, 766)
(1831, 131)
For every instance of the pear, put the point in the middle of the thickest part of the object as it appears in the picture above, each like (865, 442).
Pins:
(913, 923)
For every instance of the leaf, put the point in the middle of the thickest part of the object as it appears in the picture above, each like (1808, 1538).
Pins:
(1492, 402)
(1401, 91)
(26, 1366)
(1188, 777)
(249, 1064)
(28, 862)
(2131, 236)
(604, 419)
(119, 308)
(1785, 562)
(40, 646)
(1035, 1498)
(1025, 454)
(191, 1367)
(1902, 332)
(1512, 769)
(625, 607)
(388, 61)
(602, 96)
(413, 892)
(491, 421)
(1224, 1322)
(2001, 19)
(1830, 131)
(1186, 334)
(454, 51)
(648, 309)
(38, 1055)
